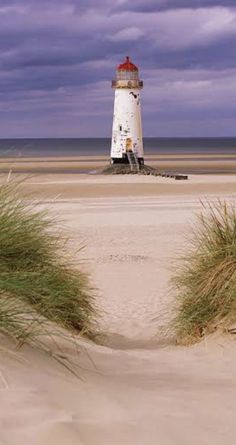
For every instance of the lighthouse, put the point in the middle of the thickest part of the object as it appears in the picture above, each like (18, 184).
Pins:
(127, 139)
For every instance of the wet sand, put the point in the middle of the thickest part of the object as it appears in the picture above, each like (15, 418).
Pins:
(194, 163)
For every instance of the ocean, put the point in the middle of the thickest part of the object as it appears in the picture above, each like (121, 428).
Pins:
(101, 146)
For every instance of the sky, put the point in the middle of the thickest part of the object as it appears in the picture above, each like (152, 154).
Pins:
(58, 58)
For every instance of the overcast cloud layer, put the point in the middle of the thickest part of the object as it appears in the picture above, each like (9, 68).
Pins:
(59, 56)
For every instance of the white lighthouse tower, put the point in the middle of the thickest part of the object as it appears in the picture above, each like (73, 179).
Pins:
(127, 139)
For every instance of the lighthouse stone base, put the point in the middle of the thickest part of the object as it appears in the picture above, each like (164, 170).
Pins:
(124, 169)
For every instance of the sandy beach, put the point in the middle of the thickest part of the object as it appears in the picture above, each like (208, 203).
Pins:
(137, 387)
(67, 186)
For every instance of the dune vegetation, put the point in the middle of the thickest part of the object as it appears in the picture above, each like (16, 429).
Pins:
(206, 278)
(39, 287)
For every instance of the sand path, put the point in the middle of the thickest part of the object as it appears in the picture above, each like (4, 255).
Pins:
(131, 248)
(135, 392)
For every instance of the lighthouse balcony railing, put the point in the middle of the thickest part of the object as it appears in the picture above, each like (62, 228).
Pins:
(127, 84)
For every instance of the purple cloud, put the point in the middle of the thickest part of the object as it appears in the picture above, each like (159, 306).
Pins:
(58, 57)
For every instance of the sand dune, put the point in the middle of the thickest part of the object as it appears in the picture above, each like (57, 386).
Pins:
(133, 391)
(168, 396)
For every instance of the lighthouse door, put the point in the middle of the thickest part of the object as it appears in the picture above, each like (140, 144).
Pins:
(129, 144)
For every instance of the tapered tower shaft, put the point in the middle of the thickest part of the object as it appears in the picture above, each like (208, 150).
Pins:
(127, 124)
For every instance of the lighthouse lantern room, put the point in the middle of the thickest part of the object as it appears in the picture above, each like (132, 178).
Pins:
(127, 137)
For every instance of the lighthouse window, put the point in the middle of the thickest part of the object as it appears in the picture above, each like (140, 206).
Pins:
(120, 127)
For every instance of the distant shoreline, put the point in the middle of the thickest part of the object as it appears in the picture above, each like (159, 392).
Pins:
(176, 163)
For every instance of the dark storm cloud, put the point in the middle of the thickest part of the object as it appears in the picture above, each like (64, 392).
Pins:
(58, 56)
(160, 5)
(144, 5)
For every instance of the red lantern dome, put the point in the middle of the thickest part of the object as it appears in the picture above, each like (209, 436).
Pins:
(127, 76)
(127, 66)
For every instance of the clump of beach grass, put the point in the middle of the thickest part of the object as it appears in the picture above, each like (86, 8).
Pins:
(38, 284)
(206, 279)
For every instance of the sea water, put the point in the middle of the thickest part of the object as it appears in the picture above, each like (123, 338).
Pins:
(101, 146)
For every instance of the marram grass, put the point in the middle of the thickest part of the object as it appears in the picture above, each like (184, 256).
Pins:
(206, 280)
(37, 285)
